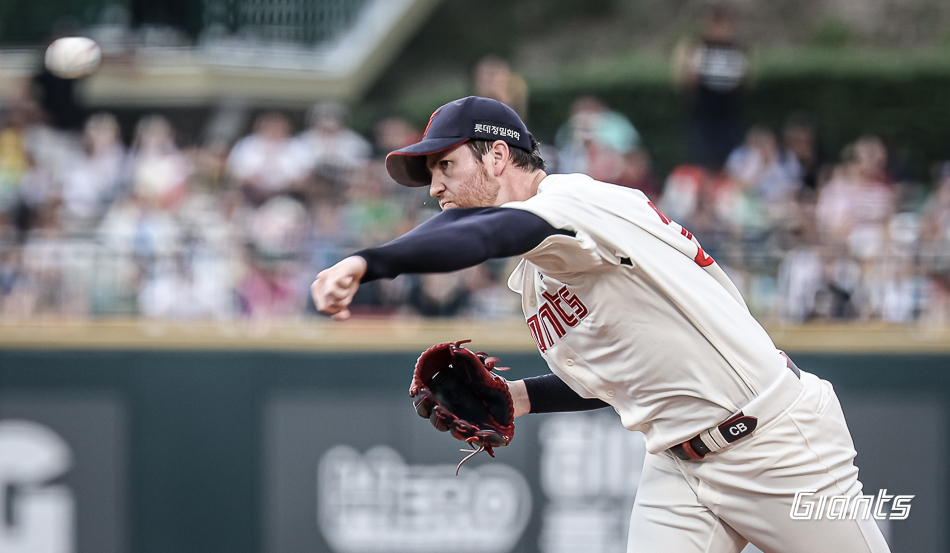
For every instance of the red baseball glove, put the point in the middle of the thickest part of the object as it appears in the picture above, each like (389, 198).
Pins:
(457, 391)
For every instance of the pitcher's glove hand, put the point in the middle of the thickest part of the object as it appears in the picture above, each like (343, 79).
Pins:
(457, 391)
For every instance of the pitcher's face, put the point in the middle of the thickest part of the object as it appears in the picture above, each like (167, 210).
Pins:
(459, 179)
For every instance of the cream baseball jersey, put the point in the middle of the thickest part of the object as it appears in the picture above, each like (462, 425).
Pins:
(632, 311)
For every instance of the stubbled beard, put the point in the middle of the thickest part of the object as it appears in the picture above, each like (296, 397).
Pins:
(477, 192)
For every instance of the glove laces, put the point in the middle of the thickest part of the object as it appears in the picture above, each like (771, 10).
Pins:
(471, 453)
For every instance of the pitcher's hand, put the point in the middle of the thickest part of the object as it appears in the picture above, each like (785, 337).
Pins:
(334, 288)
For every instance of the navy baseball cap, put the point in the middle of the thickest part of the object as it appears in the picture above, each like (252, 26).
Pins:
(453, 124)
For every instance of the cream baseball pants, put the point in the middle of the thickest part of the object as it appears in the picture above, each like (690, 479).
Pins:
(746, 491)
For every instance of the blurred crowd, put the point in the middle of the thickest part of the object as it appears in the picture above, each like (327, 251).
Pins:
(95, 226)
(845, 240)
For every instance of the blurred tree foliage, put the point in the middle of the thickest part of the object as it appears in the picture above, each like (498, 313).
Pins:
(881, 68)
(909, 111)
(27, 22)
(905, 101)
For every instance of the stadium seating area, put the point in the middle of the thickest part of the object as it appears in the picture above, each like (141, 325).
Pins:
(93, 227)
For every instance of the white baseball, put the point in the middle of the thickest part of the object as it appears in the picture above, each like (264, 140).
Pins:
(73, 57)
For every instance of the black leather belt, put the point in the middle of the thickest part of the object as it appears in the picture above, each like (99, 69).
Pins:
(737, 427)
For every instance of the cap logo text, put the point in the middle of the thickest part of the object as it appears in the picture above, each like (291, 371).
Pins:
(487, 129)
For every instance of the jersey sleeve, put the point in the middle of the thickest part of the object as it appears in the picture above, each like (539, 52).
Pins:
(456, 239)
(574, 251)
(601, 216)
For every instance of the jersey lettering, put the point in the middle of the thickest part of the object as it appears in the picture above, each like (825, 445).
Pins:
(534, 325)
(555, 301)
(546, 312)
(579, 308)
(702, 258)
(553, 315)
(666, 220)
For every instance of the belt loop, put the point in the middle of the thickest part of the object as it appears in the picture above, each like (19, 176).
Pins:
(791, 365)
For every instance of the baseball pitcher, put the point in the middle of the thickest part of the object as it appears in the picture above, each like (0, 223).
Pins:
(629, 312)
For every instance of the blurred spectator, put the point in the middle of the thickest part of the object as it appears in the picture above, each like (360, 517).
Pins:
(373, 215)
(15, 167)
(212, 230)
(689, 197)
(326, 242)
(393, 133)
(935, 216)
(638, 173)
(58, 268)
(58, 100)
(38, 190)
(159, 171)
(136, 226)
(893, 290)
(210, 164)
(135, 235)
(840, 296)
(490, 297)
(180, 290)
(681, 193)
(331, 149)
(935, 248)
(759, 164)
(594, 140)
(439, 294)
(30, 154)
(800, 139)
(51, 151)
(494, 79)
(96, 174)
(14, 291)
(14, 163)
(268, 161)
(858, 193)
(712, 73)
(767, 179)
(801, 271)
(277, 228)
(268, 289)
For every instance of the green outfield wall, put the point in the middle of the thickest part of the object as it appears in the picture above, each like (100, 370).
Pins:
(260, 448)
